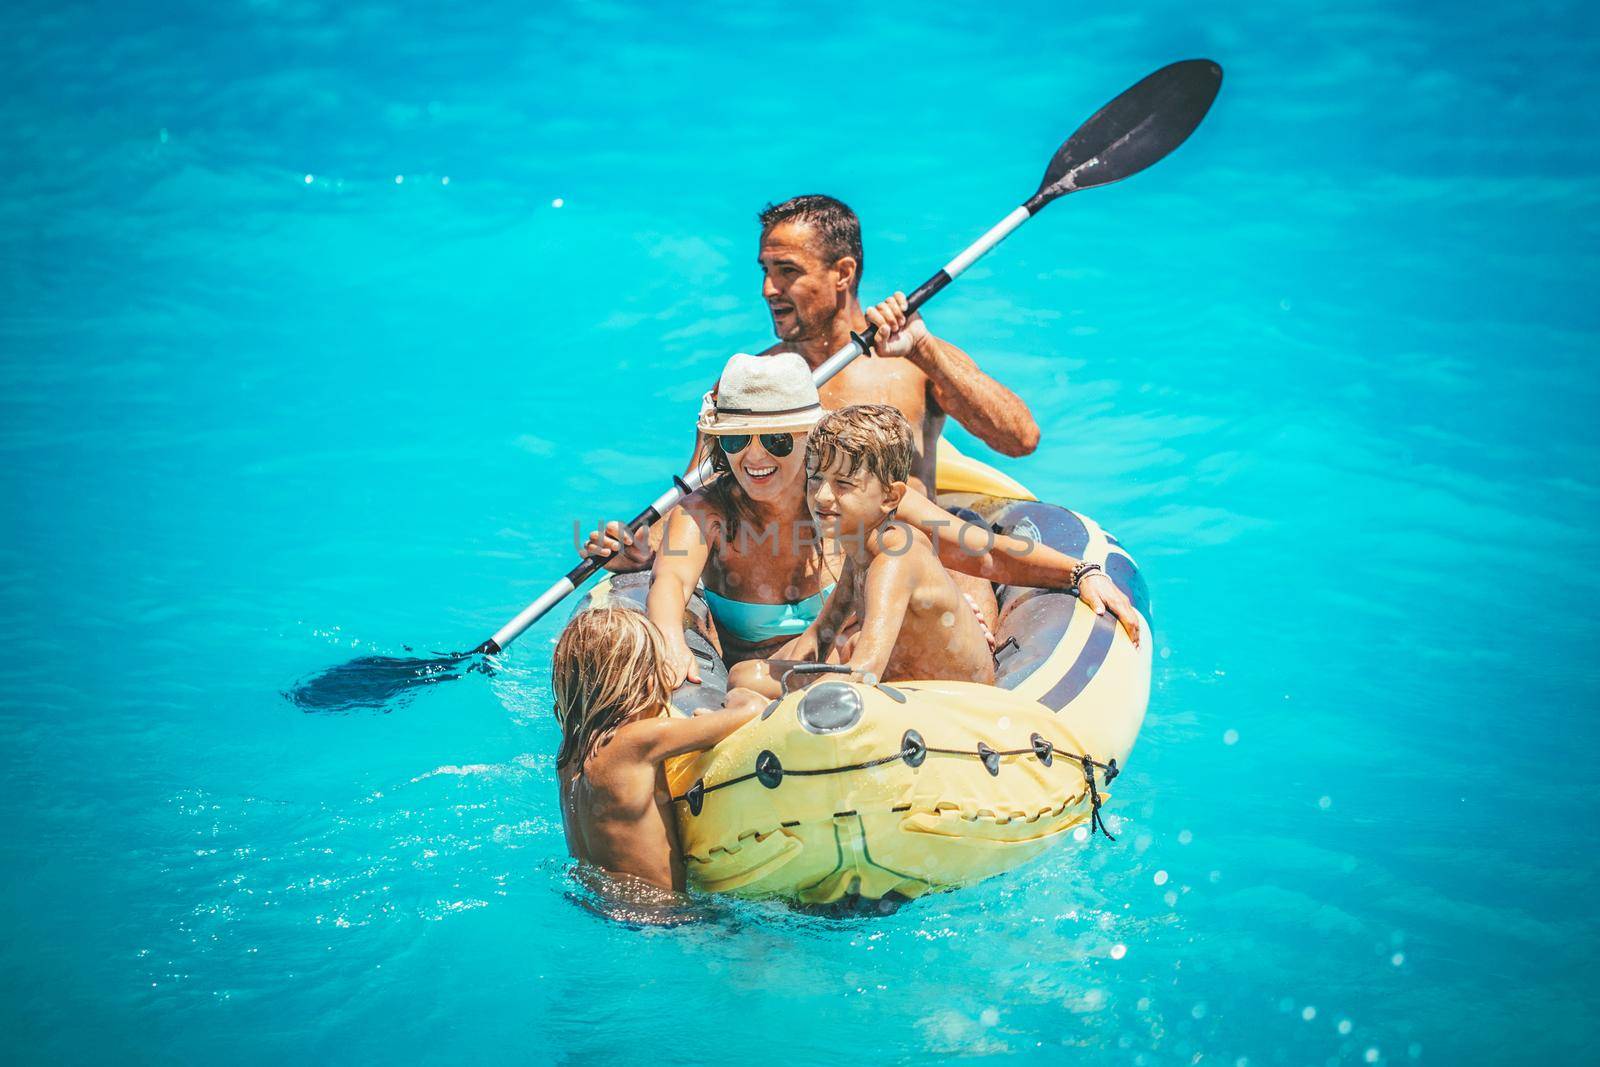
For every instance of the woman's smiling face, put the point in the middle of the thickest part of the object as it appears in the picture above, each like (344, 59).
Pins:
(766, 478)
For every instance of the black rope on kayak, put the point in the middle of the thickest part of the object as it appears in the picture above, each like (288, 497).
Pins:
(770, 771)
(1111, 768)
(1095, 821)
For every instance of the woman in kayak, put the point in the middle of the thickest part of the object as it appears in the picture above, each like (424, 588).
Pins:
(749, 539)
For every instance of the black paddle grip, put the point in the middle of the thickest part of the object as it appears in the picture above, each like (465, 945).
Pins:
(926, 291)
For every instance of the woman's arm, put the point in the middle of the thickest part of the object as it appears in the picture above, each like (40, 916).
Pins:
(625, 551)
(678, 566)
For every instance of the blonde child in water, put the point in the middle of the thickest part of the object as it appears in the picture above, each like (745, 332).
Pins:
(613, 691)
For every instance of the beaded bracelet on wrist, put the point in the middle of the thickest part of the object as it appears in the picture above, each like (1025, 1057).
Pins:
(1082, 571)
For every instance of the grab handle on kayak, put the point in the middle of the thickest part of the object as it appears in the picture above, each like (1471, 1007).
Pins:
(839, 668)
(812, 668)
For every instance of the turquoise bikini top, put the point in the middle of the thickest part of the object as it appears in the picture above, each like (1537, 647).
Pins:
(755, 623)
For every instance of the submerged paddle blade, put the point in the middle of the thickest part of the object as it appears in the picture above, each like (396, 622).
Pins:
(378, 681)
(1136, 129)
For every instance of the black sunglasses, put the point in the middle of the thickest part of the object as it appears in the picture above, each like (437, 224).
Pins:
(776, 444)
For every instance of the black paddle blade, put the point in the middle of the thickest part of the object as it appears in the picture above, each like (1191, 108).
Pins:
(378, 681)
(1136, 129)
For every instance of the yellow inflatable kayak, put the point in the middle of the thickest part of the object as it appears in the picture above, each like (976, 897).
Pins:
(850, 790)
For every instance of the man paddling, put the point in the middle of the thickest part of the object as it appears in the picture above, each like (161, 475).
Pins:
(811, 258)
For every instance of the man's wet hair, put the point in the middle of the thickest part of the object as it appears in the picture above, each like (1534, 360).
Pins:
(838, 231)
(874, 436)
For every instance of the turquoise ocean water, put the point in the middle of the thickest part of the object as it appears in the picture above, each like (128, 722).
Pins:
(1328, 371)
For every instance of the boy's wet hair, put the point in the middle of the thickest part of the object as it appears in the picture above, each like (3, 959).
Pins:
(874, 436)
(610, 666)
(837, 230)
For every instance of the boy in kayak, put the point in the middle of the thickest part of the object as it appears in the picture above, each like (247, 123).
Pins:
(896, 612)
(612, 692)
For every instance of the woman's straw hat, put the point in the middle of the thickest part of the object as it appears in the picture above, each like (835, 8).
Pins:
(762, 394)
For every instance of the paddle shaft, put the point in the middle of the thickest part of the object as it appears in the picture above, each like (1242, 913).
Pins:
(682, 487)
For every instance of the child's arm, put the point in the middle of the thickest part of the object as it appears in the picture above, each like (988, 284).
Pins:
(654, 740)
(817, 640)
(836, 611)
(890, 579)
(972, 549)
(679, 562)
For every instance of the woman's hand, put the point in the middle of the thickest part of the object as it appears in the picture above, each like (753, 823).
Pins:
(1101, 593)
(622, 550)
(681, 660)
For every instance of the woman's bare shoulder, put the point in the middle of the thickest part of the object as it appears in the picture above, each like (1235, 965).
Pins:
(699, 508)
(703, 504)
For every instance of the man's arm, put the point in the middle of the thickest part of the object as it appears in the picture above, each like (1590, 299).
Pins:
(993, 413)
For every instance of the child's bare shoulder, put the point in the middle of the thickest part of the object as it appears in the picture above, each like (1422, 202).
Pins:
(623, 747)
(899, 542)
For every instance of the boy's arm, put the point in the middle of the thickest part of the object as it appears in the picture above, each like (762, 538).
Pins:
(654, 740)
(816, 640)
(890, 578)
(824, 629)
(971, 549)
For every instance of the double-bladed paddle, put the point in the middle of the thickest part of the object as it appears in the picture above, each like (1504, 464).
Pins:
(1139, 127)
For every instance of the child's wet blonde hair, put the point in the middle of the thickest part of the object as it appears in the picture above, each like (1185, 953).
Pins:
(610, 666)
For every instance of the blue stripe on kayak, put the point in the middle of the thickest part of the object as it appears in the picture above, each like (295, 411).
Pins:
(1120, 569)
(1087, 665)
